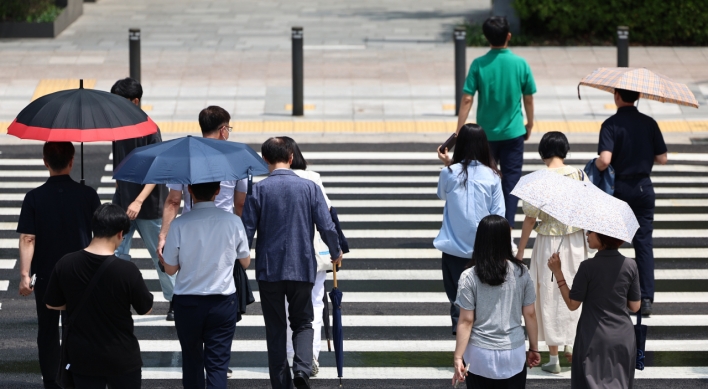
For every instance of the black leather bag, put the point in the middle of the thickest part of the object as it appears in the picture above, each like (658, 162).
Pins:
(65, 378)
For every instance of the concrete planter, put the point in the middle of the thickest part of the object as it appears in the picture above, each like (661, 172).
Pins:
(73, 9)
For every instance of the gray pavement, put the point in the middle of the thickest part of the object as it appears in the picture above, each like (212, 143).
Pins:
(364, 60)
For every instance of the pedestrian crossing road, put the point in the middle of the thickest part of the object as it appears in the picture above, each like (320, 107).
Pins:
(395, 310)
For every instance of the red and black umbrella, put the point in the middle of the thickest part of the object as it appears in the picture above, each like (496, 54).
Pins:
(81, 115)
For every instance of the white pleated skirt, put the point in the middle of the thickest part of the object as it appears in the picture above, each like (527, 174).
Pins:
(556, 323)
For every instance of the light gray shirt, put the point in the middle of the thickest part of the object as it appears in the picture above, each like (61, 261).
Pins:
(497, 316)
(205, 243)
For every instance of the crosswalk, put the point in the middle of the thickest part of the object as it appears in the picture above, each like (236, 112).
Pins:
(395, 309)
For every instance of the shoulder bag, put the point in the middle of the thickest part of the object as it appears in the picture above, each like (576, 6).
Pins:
(65, 377)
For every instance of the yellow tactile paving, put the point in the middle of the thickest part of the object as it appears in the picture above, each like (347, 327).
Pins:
(47, 86)
(305, 107)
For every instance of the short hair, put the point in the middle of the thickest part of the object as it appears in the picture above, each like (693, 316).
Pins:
(211, 117)
(205, 191)
(58, 154)
(628, 96)
(129, 88)
(108, 220)
(275, 150)
(553, 144)
(496, 29)
(299, 161)
(609, 242)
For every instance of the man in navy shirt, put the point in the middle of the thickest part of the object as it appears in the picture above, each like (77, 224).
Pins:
(55, 220)
(284, 209)
(632, 142)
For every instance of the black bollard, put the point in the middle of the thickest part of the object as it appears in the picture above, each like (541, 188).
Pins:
(298, 93)
(622, 47)
(134, 48)
(460, 37)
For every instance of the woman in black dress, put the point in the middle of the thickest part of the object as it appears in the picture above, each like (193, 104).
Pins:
(605, 349)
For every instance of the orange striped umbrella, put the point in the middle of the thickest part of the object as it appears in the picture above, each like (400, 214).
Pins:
(650, 85)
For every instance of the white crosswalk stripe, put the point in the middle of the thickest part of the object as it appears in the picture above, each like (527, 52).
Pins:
(355, 180)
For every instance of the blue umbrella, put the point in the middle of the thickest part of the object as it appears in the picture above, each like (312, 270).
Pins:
(336, 296)
(190, 160)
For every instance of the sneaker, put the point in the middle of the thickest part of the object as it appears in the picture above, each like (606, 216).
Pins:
(229, 373)
(170, 313)
(646, 307)
(551, 368)
(315, 368)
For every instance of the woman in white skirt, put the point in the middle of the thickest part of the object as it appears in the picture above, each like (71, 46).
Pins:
(556, 324)
(324, 263)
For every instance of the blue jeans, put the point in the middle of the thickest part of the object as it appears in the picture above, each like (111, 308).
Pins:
(205, 328)
(149, 230)
(509, 154)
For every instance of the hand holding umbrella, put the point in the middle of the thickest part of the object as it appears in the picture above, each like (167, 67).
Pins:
(558, 252)
(554, 263)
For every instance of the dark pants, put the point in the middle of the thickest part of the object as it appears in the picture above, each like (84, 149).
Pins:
(478, 382)
(301, 315)
(47, 336)
(205, 328)
(509, 154)
(452, 268)
(129, 380)
(640, 196)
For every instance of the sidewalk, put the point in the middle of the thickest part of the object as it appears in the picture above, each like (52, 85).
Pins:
(369, 66)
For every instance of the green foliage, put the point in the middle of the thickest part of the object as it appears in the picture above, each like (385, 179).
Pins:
(650, 22)
(31, 11)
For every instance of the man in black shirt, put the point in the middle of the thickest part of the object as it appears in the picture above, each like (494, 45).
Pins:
(632, 142)
(142, 203)
(55, 220)
(102, 349)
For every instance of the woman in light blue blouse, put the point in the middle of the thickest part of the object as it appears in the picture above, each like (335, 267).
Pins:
(471, 188)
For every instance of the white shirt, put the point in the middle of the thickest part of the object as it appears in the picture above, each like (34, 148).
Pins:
(205, 243)
(224, 200)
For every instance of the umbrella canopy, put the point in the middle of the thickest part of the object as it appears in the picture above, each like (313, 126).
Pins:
(336, 297)
(650, 85)
(190, 160)
(577, 203)
(81, 115)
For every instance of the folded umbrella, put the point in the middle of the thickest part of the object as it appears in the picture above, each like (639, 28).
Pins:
(640, 333)
(577, 203)
(190, 160)
(336, 297)
(326, 322)
(81, 115)
(650, 85)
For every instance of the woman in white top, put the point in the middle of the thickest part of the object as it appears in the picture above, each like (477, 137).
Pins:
(299, 166)
(556, 324)
(492, 296)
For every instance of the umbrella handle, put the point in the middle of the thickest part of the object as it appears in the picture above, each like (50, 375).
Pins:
(329, 345)
(334, 273)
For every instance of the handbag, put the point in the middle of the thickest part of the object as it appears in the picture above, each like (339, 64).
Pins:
(65, 378)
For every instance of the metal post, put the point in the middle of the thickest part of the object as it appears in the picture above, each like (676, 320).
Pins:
(460, 37)
(298, 94)
(622, 47)
(134, 48)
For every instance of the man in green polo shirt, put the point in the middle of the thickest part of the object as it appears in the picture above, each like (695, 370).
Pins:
(502, 79)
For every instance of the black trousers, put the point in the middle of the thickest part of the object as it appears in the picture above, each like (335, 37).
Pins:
(452, 268)
(640, 196)
(131, 380)
(509, 154)
(478, 382)
(301, 315)
(47, 336)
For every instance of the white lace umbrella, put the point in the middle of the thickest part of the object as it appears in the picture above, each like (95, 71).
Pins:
(577, 203)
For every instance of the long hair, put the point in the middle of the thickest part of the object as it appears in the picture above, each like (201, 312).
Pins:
(492, 248)
(472, 145)
(299, 162)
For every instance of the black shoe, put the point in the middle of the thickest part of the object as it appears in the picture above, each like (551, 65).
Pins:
(170, 313)
(646, 307)
(301, 380)
(229, 373)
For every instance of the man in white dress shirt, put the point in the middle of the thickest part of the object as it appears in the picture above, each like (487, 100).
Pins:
(203, 246)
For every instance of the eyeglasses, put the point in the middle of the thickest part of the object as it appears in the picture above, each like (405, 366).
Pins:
(228, 128)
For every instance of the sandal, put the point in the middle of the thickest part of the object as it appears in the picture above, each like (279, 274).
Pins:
(568, 352)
